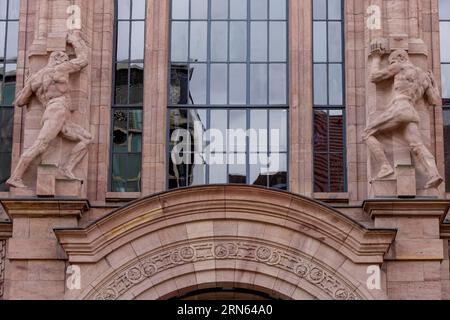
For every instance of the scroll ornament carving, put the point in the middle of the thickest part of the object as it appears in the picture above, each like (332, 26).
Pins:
(315, 274)
(2, 265)
(410, 85)
(50, 86)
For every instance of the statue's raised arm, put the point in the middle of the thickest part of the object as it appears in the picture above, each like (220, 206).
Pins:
(81, 51)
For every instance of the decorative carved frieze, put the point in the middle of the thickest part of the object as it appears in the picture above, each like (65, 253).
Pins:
(298, 264)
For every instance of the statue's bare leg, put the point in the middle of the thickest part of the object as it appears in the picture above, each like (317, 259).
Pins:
(423, 155)
(50, 129)
(385, 122)
(76, 133)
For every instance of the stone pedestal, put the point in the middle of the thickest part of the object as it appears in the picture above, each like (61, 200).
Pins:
(50, 183)
(37, 263)
(413, 263)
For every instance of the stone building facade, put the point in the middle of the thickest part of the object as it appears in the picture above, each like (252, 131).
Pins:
(96, 205)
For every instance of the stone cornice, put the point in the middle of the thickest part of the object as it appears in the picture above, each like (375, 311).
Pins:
(35, 207)
(5, 230)
(407, 208)
(234, 204)
(445, 231)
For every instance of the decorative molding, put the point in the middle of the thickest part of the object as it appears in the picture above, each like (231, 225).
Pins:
(5, 230)
(2, 266)
(407, 208)
(322, 278)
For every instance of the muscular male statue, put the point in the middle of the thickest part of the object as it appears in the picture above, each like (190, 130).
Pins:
(411, 84)
(51, 86)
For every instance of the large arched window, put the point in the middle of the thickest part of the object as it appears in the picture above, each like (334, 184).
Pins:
(128, 96)
(444, 17)
(329, 96)
(228, 93)
(9, 31)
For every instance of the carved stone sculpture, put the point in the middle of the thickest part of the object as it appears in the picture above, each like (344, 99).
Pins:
(411, 84)
(50, 85)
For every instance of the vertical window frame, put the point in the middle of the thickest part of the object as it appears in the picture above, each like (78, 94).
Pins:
(329, 107)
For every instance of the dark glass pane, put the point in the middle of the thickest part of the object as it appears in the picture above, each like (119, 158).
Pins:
(336, 123)
(179, 85)
(120, 131)
(237, 173)
(5, 170)
(135, 131)
(121, 78)
(321, 172)
(6, 130)
(320, 131)
(136, 83)
(134, 173)
(119, 173)
(336, 173)
(9, 90)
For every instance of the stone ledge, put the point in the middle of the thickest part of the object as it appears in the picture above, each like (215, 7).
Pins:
(407, 208)
(38, 208)
(5, 230)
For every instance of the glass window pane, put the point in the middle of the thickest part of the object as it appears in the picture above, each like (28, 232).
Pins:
(259, 136)
(219, 9)
(278, 171)
(444, 9)
(336, 130)
(258, 176)
(219, 41)
(219, 84)
(199, 34)
(119, 172)
(123, 42)
(198, 84)
(136, 83)
(139, 9)
(320, 42)
(278, 9)
(6, 130)
(238, 83)
(238, 9)
(237, 140)
(258, 41)
(14, 9)
(335, 85)
(12, 42)
(123, 9)
(335, 42)
(278, 84)
(237, 172)
(137, 40)
(180, 41)
(337, 172)
(278, 128)
(134, 173)
(320, 84)
(121, 79)
(446, 81)
(258, 9)
(320, 9)
(258, 84)
(2, 39)
(199, 9)
(277, 47)
(238, 41)
(320, 131)
(9, 90)
(445, 41)
(335, 9)
(180, 9)
(179, 85)
(218, 174)
(321, 172)
(120, 131)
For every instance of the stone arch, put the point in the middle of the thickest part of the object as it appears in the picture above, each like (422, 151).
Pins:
(173, 243)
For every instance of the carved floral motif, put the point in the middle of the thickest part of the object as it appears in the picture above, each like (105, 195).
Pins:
(300, 265)
(2, 265)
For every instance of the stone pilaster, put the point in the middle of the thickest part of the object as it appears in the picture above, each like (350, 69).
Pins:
(414, 260)
(36, 261)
